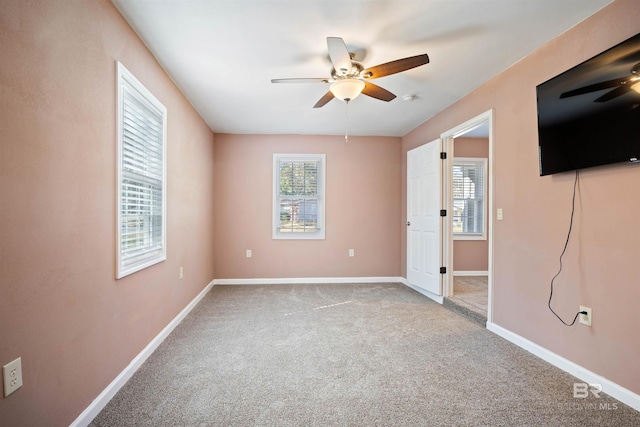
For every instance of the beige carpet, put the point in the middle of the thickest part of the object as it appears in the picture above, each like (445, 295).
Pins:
(470, 297)
(345, 355)
(472, 291)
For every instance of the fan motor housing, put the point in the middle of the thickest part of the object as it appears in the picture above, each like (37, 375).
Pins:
(356, 70)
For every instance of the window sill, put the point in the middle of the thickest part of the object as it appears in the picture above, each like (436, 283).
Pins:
(469, 237)
(298, 236)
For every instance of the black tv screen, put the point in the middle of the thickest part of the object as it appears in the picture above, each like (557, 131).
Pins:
(590, 115)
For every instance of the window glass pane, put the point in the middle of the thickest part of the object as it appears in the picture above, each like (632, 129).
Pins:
(468, 197)
(298, 215)
(141, 211)
(298, 188)
(141, 200)
(298, 178)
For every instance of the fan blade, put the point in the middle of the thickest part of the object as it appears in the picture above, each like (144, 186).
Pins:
(339, 55)
(310, 80)
(594, 87)
(614, 93)
(395, 66)
(326, 98)
(377, 92)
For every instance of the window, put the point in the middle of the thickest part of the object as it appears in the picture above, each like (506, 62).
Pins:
(469, 189)
(142, 129)
(298, 196)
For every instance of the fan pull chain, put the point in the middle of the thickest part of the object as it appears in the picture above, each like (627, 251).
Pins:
(346, 130)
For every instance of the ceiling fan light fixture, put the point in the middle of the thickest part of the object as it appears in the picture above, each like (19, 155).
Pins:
(636, 86)
(347, 89)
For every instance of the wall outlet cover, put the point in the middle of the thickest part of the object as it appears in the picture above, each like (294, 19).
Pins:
(585, 319)
(12, 376)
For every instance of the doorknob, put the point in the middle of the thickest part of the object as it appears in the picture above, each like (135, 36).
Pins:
(408, 223)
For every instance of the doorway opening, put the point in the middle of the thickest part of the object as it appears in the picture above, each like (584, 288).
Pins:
(468, 236)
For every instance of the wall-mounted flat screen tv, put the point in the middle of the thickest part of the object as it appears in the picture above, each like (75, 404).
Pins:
(590, 115)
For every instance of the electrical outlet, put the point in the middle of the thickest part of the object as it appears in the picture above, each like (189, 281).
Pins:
(181, 272)
(12, 376)
(248, 253)
(352, 252)
(585, 319)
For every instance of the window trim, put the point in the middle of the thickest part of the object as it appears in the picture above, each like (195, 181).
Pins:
(480, 161)
(275, 223)
(124, 268)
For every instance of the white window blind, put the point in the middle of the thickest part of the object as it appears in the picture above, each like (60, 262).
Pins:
(469, 190)
(141, 176)
(298, 196)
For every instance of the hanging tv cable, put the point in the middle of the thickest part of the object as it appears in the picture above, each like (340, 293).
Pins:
(566, 243)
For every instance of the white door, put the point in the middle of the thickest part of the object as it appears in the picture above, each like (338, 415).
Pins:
(424, 248)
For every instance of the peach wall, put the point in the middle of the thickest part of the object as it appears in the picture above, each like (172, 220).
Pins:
(600, 262)
(362, 208)
(471, 147)
(471, 255)
(61, 308)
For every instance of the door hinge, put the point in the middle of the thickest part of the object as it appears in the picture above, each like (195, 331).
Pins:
(443, 270)
(443, 212)
(443, 155)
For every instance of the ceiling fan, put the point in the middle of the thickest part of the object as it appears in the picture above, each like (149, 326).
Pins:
(349, 78)
(622, 85)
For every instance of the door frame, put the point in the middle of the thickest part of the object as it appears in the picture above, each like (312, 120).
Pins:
(447, 236)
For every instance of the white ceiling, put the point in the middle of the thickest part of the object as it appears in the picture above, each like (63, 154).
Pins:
(224, 53)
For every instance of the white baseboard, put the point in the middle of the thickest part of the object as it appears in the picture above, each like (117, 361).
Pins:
(319, 280)
(107, 394)
(437, 298)
(609, 387)
(307, 280)
(470, 273)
